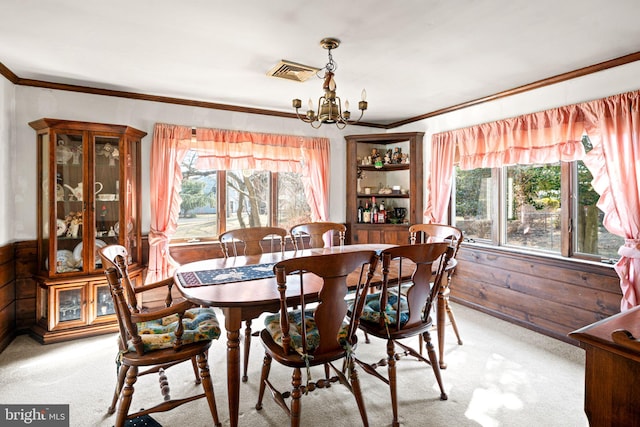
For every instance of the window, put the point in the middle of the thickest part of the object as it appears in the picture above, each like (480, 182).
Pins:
(292, 207)
(248, 202)
(532, 206)
(253, 198)
(547, 207)
(473, 203)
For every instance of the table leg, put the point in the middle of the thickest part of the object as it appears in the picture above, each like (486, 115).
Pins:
(233, 323)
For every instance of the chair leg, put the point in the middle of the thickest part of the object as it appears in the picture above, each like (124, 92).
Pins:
(247, 348)
(296, 394)
(391, 369)
(440, 326)
(266, 367)
(452, 319)
(122, 374)
(357, 391)
(194, 363)
(420, 340)
(127, 394)
(434, 364)
(207, 386)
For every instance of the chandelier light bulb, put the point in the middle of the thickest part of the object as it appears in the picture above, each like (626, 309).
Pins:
(364, 95)
(310, 104)
(346, 105)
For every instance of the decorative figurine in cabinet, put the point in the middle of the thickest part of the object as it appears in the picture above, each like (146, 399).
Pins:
(384, 186)
(88, 197)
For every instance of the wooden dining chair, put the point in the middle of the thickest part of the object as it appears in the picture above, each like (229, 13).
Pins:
(251, 241)
(424, 233)
(314, 232)
(391, 315)
(156, 340)
(315, 334)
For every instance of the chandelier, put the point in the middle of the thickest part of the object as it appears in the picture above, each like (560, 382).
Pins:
(329, 108)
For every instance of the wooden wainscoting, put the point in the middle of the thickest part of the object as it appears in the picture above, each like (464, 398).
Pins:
(548, 295)
(25, 261)
(7, 296)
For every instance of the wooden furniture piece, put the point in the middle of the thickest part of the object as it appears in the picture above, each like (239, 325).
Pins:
(248, 299)
(612, 369)
(391, 316)
(252, 240)
(428, 233)
(88, 197)
(406, 177)
(306, 336)
(314, 232)
(139, 349)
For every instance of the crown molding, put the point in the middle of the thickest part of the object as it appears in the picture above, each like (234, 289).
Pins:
(13, 78)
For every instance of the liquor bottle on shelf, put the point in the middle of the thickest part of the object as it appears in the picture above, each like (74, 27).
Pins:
(366, 213)
(382, 214)
(360, 212)
(374, 211)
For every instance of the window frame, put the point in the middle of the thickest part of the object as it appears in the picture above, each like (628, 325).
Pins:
(221, 210)
(568, 217)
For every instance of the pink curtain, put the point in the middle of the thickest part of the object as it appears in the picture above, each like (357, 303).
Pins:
(555, 135)
(167, 152)
(223, 150)
(315, 172)
(442, 159)
(613, 162)
(544, 137)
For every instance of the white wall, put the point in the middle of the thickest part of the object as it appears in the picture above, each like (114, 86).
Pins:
(7, 163)
(34, 103)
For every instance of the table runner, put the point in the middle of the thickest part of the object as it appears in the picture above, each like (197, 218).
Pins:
(190, 279)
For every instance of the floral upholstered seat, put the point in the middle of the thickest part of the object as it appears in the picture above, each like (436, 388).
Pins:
(371, 312)
(272, 324)
(199, 324)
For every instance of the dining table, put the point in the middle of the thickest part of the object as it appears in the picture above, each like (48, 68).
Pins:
(243, 288)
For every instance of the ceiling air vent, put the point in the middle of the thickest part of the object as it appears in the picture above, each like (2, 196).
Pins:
(292, 71)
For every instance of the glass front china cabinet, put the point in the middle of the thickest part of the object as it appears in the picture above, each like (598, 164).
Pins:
(88, 198)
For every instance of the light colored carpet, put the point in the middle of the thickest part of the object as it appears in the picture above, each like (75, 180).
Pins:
(503, 375)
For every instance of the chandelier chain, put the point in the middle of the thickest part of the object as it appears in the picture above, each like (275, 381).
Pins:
(331, 65)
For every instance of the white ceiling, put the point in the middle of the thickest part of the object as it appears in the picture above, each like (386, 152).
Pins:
(412, 56)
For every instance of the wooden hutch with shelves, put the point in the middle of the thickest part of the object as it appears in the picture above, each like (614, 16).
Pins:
(88, 197)
(395, 179)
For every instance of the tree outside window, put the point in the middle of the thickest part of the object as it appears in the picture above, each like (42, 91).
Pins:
(253, 198)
